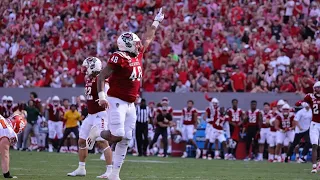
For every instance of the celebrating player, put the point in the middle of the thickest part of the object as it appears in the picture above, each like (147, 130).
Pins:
(285, 131)
(9, 129)
(189, 118)
(97, 117)
(314, 101)
(220, 128)
(212, 113)
(125, 71)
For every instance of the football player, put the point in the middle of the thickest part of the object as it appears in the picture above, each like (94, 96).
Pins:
(313, 99)
(9, 107)
(265, 130)
(285, 131)
(9, 128)
(189, 119)
(97, 117)
(124, 70)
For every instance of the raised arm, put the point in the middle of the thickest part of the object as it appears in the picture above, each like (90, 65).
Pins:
(149, 35)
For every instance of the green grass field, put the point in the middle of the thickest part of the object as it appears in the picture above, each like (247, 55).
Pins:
(53, 166)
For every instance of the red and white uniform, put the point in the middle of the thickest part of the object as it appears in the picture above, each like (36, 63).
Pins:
(285, 124)
(189, 121)
(220, 127)
(97, 115)
(235, 115)
(253, 117)
(7, 131)
(9, 110)
(213, 114)
(124, 87)
(55, 123)
(314, 102)
(265, 127)
(273, 132)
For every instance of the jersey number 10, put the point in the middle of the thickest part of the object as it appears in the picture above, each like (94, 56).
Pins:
(136, 74)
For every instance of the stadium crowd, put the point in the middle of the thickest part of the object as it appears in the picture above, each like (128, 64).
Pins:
(211, 45)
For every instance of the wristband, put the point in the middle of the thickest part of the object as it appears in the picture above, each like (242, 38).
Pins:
(155, 24)
(102, 95)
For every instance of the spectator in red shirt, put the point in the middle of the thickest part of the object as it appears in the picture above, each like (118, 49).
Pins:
(287, 86)
(238, 81)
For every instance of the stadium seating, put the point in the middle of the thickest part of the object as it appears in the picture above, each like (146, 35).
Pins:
(214, 46)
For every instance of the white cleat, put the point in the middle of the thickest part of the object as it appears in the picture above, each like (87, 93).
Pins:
(104, 176)
(185, 155)
(198, 153)
(217, 157)
(204, 157)
(209, 157)
(114, 177)
(78, 172)
(93, 135)
(314, 170)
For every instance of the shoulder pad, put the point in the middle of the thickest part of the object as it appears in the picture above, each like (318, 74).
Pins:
(122, 54)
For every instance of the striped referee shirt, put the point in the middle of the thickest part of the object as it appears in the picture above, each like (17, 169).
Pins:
(143, 114)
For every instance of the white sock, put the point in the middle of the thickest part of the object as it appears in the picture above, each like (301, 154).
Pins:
(119, 155)
(284, 155)
(271, 157)
(216, 153)
(204, 152)
(161, 151)
(82, 165)
(50, 146)
(314, 165)
(260, 156)
(305, 157)
(297, 156)
(109, 168)
(276, 157)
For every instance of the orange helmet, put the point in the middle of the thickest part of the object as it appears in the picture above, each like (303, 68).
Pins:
(18, 123)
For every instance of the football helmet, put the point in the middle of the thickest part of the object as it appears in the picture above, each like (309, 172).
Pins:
(55, 100)
(92, 64)
(129, 42)
(165, 101)
(9, 99)
(316, 88)
(4, 99)
(286, 109)
(214, 102)
(18, 123)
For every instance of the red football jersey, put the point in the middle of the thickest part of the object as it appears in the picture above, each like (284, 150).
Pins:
(314, 102)
(235, 115)
(188, 116)
(168, 108)
(55, 112)
(126, 77)
(220, 121)
(213, 114)
(285, 122)
(265, 116)
(252, 117)
(7, 111)
(92, 96)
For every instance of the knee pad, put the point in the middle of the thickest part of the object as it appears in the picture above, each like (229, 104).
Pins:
(129, 134)
(119, 132)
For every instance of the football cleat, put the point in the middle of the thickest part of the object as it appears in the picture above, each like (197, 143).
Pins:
(104, 176)
(209, 157)
(247, 159)
(301, 160)
(185, 155)
(314, 170)
(198, 153)
(93, 135)
(78, 172)
(114, 177)
(217, 157)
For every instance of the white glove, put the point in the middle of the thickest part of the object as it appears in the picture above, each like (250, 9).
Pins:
(160, 16)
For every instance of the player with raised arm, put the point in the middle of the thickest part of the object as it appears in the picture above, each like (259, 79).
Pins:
(124, 70)
(97, 116)
(313, 99)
